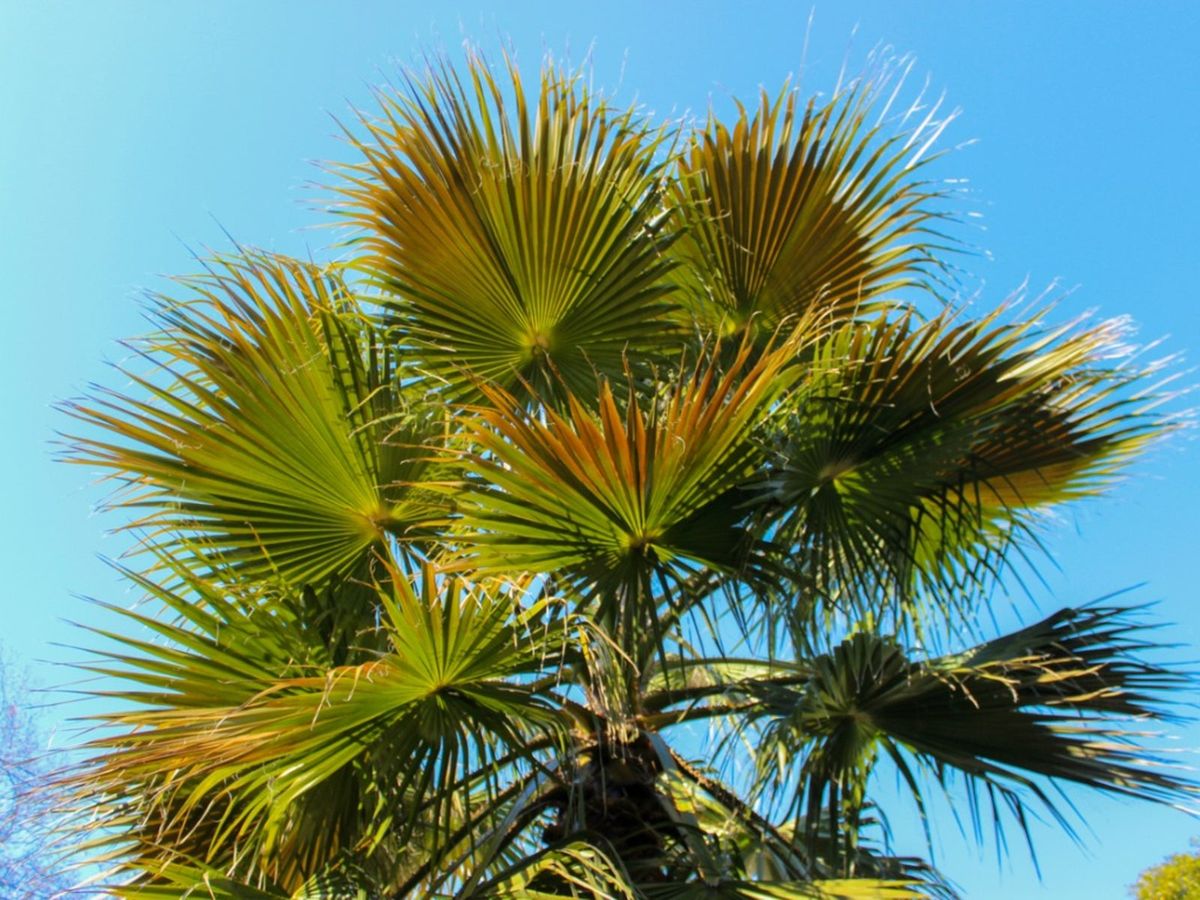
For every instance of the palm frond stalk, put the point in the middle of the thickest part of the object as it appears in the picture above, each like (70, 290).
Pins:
(601, 436)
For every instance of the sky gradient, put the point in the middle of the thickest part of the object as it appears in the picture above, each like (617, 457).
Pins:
(135, 134)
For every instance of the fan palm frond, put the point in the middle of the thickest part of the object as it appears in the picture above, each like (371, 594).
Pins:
(515, 238)
(841, 889)
(609, 499)
(574, 869)
(1065, 699)
(277, 431)
(794, 209)
(912, 456)
(231, 752)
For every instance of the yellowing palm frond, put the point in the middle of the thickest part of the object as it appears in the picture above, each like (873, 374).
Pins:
(515, 238)
(793, 210)
(609, 498)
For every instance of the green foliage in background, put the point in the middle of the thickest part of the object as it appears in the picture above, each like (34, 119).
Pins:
(1175, 878)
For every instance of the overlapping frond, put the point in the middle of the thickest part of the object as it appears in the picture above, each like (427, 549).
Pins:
(842, 889)
(609, 498)
(194, 881)
(514, 237)
(197, 881)
(575, 869)
(1066, 699)
(796, 208)
(913, 454)
(236, 753)
(273, 425)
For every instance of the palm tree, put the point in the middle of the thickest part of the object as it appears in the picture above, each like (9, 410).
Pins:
(600, 522)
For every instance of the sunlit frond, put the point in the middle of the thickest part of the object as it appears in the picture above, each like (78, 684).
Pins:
(271, 425)
(231, 752)
(842, 889)
(193, 881)
(800, 208)
(913, 455)
(575, 869)
(610, 498)
(514, 237)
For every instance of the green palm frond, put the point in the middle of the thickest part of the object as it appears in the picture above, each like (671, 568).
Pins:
(753, 850)
(685, 680)
(232, 754)
(193, 881)
(196, 881)
(342, 881)
(794, 210)
(514, 238)
(913, 455)
(277, 431)
(608, 499)
(1064, 699)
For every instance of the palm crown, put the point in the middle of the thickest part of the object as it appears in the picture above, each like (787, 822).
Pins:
(600, 438)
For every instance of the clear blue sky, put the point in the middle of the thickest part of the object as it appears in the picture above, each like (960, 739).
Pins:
(135, 131)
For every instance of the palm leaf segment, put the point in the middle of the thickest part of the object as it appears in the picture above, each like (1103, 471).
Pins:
(787, 213)
(1046, 700)
(241, 738)
(277, 431)
(912, 456)
(513, 241)
(608, 498)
